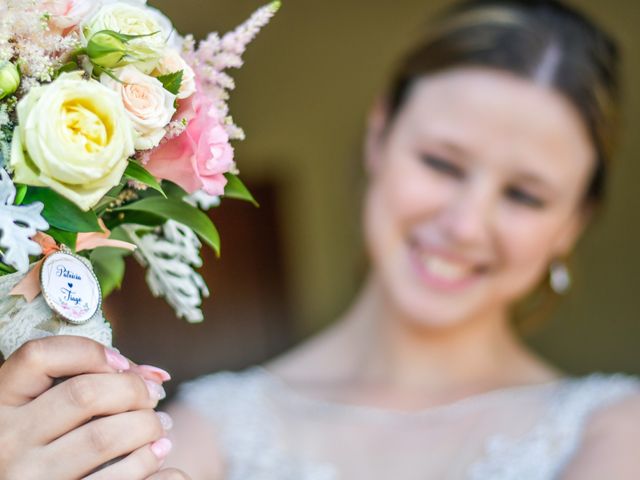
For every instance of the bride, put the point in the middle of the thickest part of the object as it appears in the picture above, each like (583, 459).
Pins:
(486, 160)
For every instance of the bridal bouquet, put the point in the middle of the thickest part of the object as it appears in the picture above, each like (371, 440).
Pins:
(114, 137)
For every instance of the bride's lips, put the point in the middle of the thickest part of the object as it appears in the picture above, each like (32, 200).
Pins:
(443, 271)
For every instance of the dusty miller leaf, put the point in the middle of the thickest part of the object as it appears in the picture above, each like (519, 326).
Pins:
(18, 223)
(170, 256)
(202, 200)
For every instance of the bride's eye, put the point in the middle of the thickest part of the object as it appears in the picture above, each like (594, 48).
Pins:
(442, 165)
(525, 198)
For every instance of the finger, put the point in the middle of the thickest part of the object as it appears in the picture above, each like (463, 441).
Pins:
(169, 474)
(78, 399)
(32, 369)
(138, 465)
(100, 441)
(151, 373)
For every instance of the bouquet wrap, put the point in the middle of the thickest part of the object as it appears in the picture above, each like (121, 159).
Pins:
(21, 321)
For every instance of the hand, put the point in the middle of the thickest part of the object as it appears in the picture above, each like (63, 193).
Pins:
(52, 432)
(169, 474)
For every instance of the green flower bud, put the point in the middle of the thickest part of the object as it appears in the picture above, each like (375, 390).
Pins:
(107, 49)
(9, 79)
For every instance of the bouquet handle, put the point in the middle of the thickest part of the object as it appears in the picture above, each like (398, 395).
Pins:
(21, 321)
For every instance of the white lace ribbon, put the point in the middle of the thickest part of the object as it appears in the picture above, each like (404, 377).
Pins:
(21, 321)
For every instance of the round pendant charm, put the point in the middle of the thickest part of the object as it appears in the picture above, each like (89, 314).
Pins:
(70, 287)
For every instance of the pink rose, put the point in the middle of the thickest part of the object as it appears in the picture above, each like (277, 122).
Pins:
(66, 15)
(198, 158)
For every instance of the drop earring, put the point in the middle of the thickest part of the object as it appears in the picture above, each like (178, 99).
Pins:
(559, 277)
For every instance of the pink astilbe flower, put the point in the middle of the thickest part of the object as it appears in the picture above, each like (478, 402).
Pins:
(214, 55)
(198, 158)
(27, 39)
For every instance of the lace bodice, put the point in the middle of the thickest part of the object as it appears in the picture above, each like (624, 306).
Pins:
(268, 431)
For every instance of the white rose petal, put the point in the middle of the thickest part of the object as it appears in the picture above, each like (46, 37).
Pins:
(149, 105)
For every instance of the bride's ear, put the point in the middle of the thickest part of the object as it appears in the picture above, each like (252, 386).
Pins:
(376, 126)
(572, 231)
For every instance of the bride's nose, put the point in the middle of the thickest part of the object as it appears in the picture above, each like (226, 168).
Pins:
(467, 215)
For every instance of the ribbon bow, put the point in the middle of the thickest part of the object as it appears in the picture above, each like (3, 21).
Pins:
(29, 286)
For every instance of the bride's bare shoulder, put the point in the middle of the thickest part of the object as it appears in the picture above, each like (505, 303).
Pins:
(609, 448)
(195, 449)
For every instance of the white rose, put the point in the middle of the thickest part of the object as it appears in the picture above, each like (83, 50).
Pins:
(172, 38)
(134, 19)
(74, 136)
(173, 62)
(149, 105)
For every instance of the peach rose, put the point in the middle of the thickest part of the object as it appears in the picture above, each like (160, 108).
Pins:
(149, 105)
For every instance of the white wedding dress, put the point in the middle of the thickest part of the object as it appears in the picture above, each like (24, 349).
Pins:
(268, 431)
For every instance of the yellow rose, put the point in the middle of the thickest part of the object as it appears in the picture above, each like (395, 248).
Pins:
(74, 136)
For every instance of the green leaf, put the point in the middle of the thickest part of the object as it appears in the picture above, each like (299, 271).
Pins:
(6, 269)
(135, 171)
(109, 198)
(115, 191)
(21, 191)
(236, 189)
(68, 67)
(98, 70)
(62, 236)
(62, 213)
(120, 233)
(139, 218)
(172, 81)
(172, 209)
(108, 265)
(123, 36)
(173, 190)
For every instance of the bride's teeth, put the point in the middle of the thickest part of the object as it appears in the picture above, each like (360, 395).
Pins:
(443, 268)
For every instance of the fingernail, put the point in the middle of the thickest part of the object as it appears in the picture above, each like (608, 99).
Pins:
(116, 360)
(155, 390)
(155, 373)
(165, 420)
(161, 448)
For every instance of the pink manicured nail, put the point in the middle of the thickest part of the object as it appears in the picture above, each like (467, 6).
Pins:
(155, 390)
(161, 448)
(154, 372)
(165, 420)
(115, 360)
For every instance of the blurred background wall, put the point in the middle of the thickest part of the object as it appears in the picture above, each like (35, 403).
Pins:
(289, 268)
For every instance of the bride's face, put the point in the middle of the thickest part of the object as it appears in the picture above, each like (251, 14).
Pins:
(475, 187)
